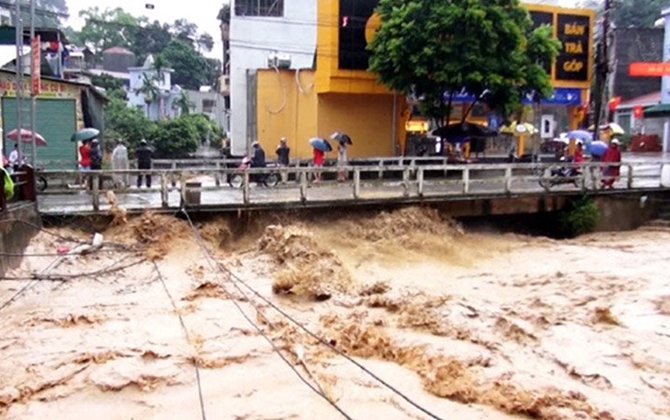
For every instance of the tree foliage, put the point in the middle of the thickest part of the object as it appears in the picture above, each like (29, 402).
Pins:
(174, 139)
(126, 123)
(427, 48)
(630, 13)
(191, 69)
(180, 45)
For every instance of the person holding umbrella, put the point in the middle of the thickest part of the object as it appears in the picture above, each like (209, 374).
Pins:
(343, 142)
(611, 172)
(320, 148)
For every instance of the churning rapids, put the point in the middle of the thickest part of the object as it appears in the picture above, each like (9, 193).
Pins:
(468, 325)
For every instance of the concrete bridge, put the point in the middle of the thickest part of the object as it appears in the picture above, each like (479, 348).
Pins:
(466, 186)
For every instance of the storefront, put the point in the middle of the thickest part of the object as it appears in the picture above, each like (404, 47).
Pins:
(61, 108)
(341, 95)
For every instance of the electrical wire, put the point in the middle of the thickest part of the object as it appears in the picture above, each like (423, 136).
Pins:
(339, 352)
(262, 333)
(196, 362)
(41, 229)
(285, 100)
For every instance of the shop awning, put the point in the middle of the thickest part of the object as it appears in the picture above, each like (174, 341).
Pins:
(660, 110)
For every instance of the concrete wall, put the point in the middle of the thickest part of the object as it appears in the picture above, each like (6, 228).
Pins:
(624, 213)
(288, 106)
(15, 236)
(253, 38)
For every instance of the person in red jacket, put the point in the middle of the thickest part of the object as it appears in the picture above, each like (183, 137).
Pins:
(611, 172)
(319, 156)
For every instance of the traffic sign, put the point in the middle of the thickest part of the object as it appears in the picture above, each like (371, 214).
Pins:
(649, 69)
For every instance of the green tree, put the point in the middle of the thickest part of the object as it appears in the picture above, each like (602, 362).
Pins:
(107, 28)
(183, 104)
(114, 88)
(629, 13)
(149, 89)
(174, 139)
(427, 48)
(191, 69)
(126, 123)
(205, 127)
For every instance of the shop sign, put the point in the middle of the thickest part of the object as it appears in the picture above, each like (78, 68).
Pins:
(574, 32)
(46, 88)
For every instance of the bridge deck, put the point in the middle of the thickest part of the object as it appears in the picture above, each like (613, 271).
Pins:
(412, 184)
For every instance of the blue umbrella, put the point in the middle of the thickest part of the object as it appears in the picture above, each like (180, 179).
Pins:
(596, 148)
(320, 144)
(580, 135)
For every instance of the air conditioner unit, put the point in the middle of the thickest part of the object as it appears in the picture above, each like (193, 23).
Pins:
(279, 61)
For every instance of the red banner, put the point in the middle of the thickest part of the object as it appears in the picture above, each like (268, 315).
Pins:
(36, 64)
(649, 69)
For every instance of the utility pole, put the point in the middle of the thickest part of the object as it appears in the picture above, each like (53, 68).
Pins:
(34, 67)
(18, 27)
(602, 70)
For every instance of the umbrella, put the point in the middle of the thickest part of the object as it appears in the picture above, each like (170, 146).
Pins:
(519, 128)
(85, 134)
(597, 148)
(580, 135)
(464, 130)
(321, 144)
(342, 138)
(614, 127)
(26, 137)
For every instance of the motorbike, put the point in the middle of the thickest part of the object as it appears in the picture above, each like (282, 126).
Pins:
(40, 180)
(565, 174)
(236, 180)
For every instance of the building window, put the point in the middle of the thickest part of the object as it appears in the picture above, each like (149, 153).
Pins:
(208, 106)
(271, 8)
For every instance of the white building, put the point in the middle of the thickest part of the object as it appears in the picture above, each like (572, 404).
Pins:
(160, 106)
(261, 31)
(210, 103)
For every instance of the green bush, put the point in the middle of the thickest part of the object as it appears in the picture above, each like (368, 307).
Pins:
(579, 217)
(174, 139)
(206, 128)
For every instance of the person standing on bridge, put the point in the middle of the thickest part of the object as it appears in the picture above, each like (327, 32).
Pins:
(144, 155)
(96, 161)
(283, 159)
(120, 163)
(611, 172)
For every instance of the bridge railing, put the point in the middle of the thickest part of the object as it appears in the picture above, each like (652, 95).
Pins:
(363, 182)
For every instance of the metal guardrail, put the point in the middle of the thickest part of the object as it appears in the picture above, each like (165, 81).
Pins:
(407, 181)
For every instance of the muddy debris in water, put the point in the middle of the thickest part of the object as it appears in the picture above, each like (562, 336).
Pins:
(376, 288)
(663, 305)
(604, 315)
(447, 377)
(207, 289)
(306, 268)
(156, 234)
(514, 330)
(66, 321)
(402, 223)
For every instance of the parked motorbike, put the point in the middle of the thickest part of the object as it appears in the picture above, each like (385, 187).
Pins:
(40, 180)
(565, 174)
(236, 180)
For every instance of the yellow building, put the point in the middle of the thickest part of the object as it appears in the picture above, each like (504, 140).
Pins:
(341, 95)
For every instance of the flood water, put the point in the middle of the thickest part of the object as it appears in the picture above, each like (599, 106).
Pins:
(467, 323)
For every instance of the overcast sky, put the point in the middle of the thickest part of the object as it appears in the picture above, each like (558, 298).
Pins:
(201, 12)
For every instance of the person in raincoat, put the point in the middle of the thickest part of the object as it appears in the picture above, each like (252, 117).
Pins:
(612, 172)
(120, 163)
(342, 161)
(8, 184)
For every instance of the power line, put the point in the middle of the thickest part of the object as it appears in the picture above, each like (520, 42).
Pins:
(235, 280)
